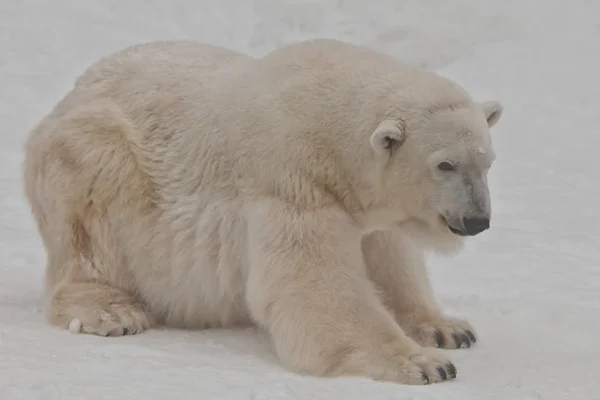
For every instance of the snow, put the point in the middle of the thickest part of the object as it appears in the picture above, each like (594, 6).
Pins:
(531, 285)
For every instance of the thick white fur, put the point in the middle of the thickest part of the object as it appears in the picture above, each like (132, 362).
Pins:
(192, 186)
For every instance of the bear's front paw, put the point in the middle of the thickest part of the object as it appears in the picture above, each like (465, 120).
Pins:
(401, 361)
(445, 333)
(434, 367)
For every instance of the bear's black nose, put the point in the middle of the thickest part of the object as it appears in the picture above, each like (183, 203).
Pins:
(473, 226)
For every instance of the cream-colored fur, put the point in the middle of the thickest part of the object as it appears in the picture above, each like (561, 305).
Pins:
(193, 186)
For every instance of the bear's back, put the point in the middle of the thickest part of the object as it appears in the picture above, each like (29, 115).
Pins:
(349, 71)
(160, 62)
(157, 84)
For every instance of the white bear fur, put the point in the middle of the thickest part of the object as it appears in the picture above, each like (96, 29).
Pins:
(192, 186)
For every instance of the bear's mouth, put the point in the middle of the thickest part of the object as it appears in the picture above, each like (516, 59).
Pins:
(452, 229)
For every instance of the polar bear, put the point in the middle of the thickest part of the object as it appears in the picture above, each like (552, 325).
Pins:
(186, 185)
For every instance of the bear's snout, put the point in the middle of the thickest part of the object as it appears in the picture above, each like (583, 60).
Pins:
(468, 226)
(474, 226)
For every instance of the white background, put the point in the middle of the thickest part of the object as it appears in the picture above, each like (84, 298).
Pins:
(530, 285)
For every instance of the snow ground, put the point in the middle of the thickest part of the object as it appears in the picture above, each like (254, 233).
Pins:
(531, 285)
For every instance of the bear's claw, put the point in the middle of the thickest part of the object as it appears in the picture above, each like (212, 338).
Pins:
(443, 333)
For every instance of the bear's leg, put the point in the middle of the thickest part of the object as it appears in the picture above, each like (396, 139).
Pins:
(81, 178)
(88, 288)
(308, 288)
(397, 266)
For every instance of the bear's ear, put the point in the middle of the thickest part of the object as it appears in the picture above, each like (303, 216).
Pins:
(388, 136)
(493, 111)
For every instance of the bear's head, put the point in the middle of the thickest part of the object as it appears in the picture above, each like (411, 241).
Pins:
(435, 167)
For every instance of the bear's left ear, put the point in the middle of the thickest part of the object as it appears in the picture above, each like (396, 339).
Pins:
(388, 136)
(493, 111)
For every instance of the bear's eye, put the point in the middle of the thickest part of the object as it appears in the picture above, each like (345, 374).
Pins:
(445, 166)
